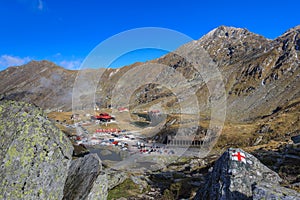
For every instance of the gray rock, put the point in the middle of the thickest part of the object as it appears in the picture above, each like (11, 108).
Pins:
(234, 179)
(296, 139)
(115, 178)
(34, 155)
(85, 180)
(269, 191)
(141, 181)
(100, 188)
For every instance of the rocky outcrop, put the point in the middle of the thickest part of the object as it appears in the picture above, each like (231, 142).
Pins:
(269, 191)
(115, 177)
(34, 155)
(238, 175)
(85, 180)
(36, 158)
(285, 160)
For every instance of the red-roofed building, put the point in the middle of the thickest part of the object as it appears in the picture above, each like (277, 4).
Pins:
(104, 117)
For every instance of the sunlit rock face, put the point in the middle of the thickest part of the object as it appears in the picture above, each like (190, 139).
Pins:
(35, 155)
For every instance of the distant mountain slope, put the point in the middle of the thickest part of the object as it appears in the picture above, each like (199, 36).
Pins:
(261, 76)
(42, 83)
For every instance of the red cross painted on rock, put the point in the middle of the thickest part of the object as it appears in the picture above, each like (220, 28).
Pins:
(239, 157)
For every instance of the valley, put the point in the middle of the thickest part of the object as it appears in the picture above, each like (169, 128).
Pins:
(149, 133)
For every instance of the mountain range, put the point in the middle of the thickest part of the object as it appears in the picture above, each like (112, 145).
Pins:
(260, 77)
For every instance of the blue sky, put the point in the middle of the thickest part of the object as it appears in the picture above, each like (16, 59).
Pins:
(65, 31)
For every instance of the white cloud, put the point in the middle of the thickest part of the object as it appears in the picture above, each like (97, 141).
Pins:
(8, 60)
(57, 55)
(40, 5)
(70, 64)
(34, 4)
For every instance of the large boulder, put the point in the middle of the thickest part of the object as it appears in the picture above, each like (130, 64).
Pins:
(86, 180)
(236, 174)
(34, 154)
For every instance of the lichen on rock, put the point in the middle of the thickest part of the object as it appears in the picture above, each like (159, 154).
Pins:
(34, 154)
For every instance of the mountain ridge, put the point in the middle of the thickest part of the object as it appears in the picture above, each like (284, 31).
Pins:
(251, 65)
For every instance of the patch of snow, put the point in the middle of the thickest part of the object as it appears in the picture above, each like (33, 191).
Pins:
(111, 74)
(43, 70)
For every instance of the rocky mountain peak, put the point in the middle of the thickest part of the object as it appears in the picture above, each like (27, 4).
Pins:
(34, 67)
(228, 45)
(226, 32)
(294, 29)
(42, 64)
(290, 40)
